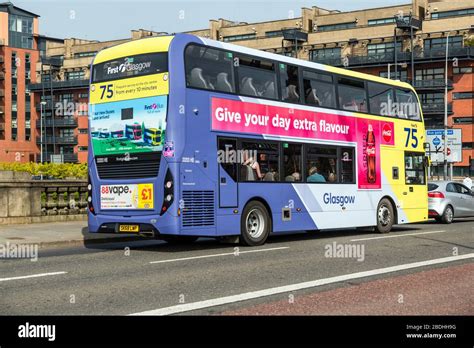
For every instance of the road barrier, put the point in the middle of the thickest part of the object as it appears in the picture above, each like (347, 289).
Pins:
(23, 200)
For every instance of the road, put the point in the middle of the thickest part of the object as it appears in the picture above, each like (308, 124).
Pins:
(416, 269)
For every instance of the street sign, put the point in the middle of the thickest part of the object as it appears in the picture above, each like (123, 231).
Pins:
(435, 137)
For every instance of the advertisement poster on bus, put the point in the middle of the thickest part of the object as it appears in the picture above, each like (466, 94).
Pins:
(245, 117)
(130, 126)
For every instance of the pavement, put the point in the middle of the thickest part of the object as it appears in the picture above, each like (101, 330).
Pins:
(416, 269)
(56, 234)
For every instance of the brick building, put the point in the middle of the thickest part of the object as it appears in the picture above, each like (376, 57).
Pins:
(18, 54)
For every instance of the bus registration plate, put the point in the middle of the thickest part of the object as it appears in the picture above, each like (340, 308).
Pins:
(129, 228)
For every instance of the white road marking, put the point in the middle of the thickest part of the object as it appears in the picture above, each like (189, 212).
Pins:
(295, 287)
(32, 276)
(396, 236)
(217, 255)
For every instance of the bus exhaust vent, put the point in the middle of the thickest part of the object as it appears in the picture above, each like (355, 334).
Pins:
(198, 208)
(136, 167)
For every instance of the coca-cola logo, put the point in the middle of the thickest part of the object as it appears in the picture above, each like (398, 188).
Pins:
(387, 133)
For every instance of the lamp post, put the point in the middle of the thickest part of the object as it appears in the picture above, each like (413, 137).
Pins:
(41, 128)
(445, 152)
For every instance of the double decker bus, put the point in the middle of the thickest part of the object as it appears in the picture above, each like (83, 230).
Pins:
(152, 136)
(133, 131)
(256, 144)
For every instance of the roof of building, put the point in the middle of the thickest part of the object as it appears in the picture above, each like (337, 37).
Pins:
(10, 5)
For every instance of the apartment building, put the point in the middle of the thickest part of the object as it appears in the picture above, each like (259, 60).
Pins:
(18, 53)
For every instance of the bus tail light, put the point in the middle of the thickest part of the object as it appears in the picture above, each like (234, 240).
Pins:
(168, 194)
(90, 206)
(435, 194)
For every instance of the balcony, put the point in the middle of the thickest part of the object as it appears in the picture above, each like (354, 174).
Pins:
(55, 61)
(58, 122)
(58, 85)
(435, 84)
(58, 140)
(368, 60)
(436, 108)
(66, 158)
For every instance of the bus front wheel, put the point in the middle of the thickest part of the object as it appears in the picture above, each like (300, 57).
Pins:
(385, 216)
(256, 224)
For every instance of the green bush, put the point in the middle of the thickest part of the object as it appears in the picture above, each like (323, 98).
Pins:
(57, 171)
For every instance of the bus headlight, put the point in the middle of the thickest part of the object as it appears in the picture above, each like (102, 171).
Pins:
(169, 198)
(90, 206)
(169, 185)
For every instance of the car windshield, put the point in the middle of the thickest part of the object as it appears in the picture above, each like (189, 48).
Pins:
(432, 187)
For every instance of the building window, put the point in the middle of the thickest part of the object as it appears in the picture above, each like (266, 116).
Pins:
(84, 54)
(467, 146)
(20, 24)
(383, 21)
(274, 33)
(75, 75)
(402, 75)
(240, 37)
(382, 48)
(14, 132)
(339, 26)
(432, 98)
(325, 54)
(26, 42)
(455, 13)
(463, 95)
(463, 70)
(83, 95)
(430, 74)
(82, 148)
(440, 43)
(463, 120)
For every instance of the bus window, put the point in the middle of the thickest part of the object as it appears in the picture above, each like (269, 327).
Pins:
(321, 164)
(407, 105)
(381, 99)
(259, 161)
(414, 169)
(228, 156)
(290, 91)
(352, 95)
(257, 78)
(209, 68)
(347, 165)
(292, 162)
(318, 89)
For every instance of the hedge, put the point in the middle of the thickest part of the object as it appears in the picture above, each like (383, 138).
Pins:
(51, 170)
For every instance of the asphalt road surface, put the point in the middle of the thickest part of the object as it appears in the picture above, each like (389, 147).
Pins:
(416, 269)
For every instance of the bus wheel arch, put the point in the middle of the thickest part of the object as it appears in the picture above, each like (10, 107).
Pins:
(386, 215)
(256, 222)
(395, 209)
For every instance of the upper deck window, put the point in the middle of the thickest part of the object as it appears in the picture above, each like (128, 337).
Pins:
(131, 66)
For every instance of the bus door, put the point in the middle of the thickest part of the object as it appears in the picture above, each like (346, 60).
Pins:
(227, 172)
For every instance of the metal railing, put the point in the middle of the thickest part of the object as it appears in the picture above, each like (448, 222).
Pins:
(58, 122)
(84, 83)
(436, 108)
(57, 140)
(432, 84)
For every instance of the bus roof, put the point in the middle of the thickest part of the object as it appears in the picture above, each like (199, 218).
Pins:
(304, 63)
(142, 46)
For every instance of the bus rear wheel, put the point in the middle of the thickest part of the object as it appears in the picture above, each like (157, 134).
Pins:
(385, 216)
(255, 225)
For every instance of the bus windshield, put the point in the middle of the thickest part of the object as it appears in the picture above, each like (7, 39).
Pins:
(128, 96)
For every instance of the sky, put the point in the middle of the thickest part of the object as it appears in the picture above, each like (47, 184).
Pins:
(113, 19)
